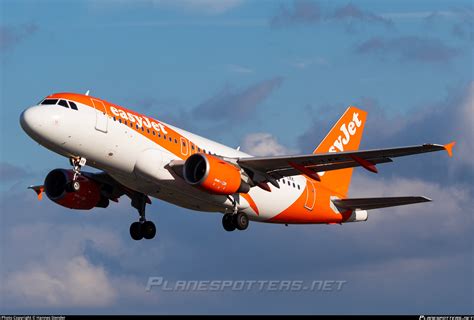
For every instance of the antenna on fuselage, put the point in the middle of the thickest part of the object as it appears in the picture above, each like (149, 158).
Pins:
(87, 92)
(238, 148)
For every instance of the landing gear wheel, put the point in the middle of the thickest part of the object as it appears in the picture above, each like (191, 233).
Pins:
(136, 231)
(241, 221)
(73, 186)
(142, 228)
(76, 185)
(148, 230)
(227, 222)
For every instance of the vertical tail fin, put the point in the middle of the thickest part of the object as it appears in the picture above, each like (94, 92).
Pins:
(345, 135)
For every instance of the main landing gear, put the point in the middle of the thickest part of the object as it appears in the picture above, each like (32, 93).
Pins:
(77, 164)
(239, 221)
(236, 220)
(142, 228)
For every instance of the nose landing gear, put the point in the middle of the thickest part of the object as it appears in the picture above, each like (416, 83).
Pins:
(77, 164)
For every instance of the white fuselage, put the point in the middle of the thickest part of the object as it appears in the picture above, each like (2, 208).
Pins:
(142, 163)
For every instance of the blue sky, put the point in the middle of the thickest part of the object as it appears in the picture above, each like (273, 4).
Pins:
(271, 76)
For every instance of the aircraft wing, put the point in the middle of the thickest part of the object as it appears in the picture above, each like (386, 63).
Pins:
(376, 203)
(283, 166)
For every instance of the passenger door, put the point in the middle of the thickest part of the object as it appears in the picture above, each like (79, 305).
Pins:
(310, 195)
(101, 120)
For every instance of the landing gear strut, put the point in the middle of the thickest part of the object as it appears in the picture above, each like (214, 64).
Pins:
(77, 164)
(235, 220)
(142, 228)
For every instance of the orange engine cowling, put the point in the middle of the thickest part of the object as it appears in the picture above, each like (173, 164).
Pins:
(214, 175)
(57, 188)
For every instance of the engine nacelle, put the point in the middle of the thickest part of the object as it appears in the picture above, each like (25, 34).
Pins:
(57, 187)
(214, 175)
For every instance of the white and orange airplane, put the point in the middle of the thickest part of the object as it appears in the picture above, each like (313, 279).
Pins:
(140, 157)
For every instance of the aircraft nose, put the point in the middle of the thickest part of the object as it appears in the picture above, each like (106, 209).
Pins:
(30, 120)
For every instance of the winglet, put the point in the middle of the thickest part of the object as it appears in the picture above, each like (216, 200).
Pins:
(39, 191)
(449, 148)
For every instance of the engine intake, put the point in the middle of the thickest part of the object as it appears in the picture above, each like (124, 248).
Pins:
(214, 175)
(57, 187)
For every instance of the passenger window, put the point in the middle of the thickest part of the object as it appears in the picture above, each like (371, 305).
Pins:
(199, 149)
(49, 101)
(171, 140)
(63, 103)
(153, 132)
(175, 141)
(72, 105)
(120, 120)
(192, 147)
(294, 185)
(148, 130)
(298, 187)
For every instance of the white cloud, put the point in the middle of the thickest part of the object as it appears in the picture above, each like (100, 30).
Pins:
(446, 212)
(75, 283)
(264, 144)
(60, 268)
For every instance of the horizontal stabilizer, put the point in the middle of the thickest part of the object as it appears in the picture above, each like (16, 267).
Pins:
(375, 203)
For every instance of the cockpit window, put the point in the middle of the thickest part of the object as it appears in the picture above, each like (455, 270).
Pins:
(72, 105)
(50, 101)
(63, 103)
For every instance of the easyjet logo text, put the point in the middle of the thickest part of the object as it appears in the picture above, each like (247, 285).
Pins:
(347, 131)
(142, 121)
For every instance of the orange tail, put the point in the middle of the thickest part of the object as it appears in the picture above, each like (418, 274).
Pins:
(344, 136)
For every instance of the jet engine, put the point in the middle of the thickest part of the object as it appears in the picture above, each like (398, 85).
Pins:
(214, 175)
(58, 187)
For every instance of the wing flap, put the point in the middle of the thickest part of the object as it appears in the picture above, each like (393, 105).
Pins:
(290, 171)
(376, 203)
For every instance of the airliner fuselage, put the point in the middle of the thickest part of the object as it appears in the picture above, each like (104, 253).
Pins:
(142, 157)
